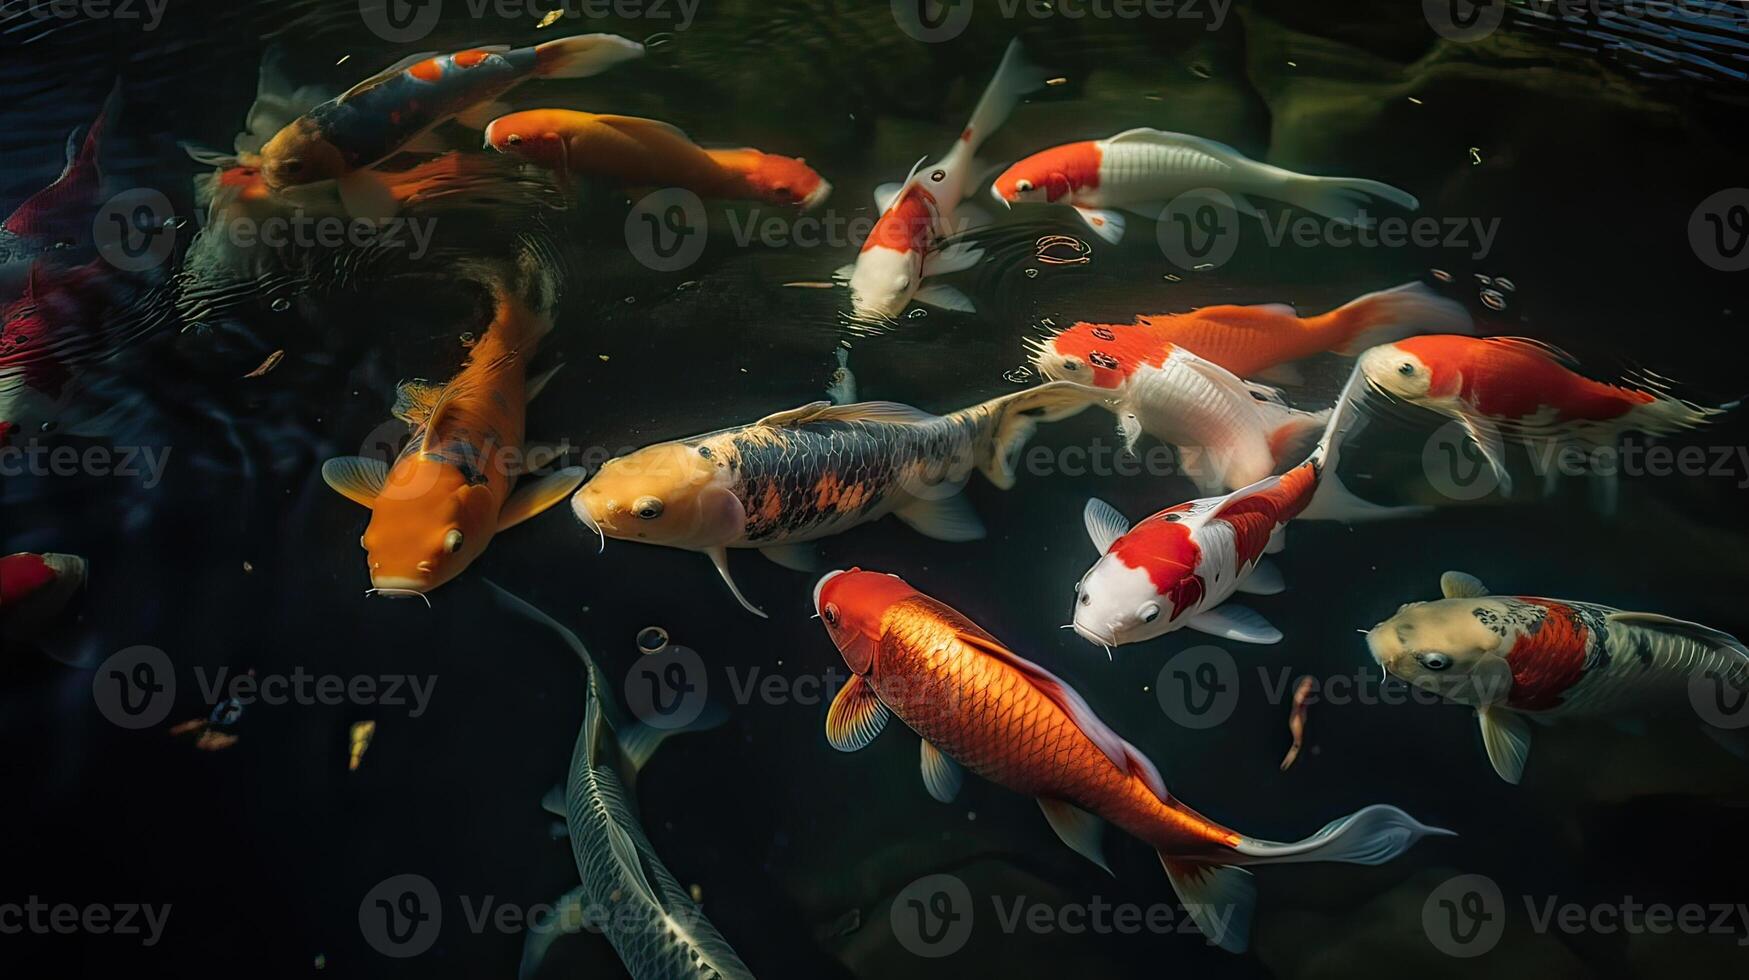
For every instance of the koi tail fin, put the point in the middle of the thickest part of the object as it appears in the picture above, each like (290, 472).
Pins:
(1017, 416)
(1291, 431)
(584, 55)
(1219, 899)
(1344, 199)
(1014, 79)
(1667, 415)
(1332, 500)
(1390, 315)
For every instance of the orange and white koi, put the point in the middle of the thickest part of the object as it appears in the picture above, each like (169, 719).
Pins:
(34, 589)
(647, 153)
(1500, 387)
(1523, 658)
(1143, 170)
(978, 705)
(434, 511)
(1178, 567)
(906, 244)
(342, 138)
(1255, 342)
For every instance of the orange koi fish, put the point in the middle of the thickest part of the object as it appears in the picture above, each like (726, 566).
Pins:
(1519, 658)
(1250, 341)
(981, 706)
(647, 153)
(1510, 386)
(435, 510)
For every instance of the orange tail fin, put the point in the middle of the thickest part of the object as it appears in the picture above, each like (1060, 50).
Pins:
(1392, 314)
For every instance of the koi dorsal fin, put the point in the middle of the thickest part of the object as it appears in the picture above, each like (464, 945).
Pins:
(386, 74)
(1461, 585)
(825, 411)
(415, 399)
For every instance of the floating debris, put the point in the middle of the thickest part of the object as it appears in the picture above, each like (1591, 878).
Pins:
(918, 313)
(1201, 70)
(321, 961)
(280, 305)
(697, 892)
(1059, 80)
(1032, 273)
(1484, 281)
(248, 567)
(810, 285)
(343, 60)
(1494, 299)
(1475, 156)
(657, 40)
(468, 339)
(1048, 250)
(603, 358)
(362, 733)
(550, 19)
(1296, 720)
(1020, 375)
(272, 362)
(842, 389)
(1416, 101)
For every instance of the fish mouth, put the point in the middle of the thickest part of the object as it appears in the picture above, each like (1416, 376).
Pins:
(1091, 635)
(821, 585)
(393, 587)
(817, 196)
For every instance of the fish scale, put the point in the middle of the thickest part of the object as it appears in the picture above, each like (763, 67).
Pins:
(1642, 664)
(1149, 163)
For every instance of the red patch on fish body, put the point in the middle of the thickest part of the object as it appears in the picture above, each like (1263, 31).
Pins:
(1548, 660)
(429, 70)
(22, 574)
(1113, 353)
(1255, 517)
(468, 59)
(1164, 548)
(1060, 170)
(908, 225)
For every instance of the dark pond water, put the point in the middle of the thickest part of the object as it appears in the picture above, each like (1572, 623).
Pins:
(1573, 157)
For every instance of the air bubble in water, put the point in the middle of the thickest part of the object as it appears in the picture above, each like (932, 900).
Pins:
(1442, 275)
(652, 639)
(918, 313)
(1032, 273)
(280, 305)
(1493, 299)
(1506, 284)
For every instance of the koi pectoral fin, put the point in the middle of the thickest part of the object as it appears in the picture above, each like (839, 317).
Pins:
(534, 496)
(856, 716)
(1082, 831)
(942, 776)
(719, 557)
(1235, 622)
(1506, 736)
(1489, 443)
(795, 557)
(1263, 579)
(1108, 225)
(1219, 899)
(357, 478)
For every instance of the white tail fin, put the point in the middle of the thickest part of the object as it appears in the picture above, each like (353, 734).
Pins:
(584, 55)
(1666, 415)
(1372, 835)
(1291, 430)
(1014, 78)
(1220, 900)
(1017, 416)
(1392, 314)
(1333, 501)
(1340, 198)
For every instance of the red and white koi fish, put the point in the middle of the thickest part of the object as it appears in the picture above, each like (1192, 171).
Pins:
(1256, 342)
(1178, 567)
(1499, 387)
(342, 138)
(917, 216)
(1142, 170)
(34, 589)
(981, 706)
(60, 215)
(1519, 658)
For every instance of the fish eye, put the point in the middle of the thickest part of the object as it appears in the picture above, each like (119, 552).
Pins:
(1070, 364)
(513, 139)
(1434, 661)
(1406, 369)
(938, 176)
(1150, 612)
(648, 508)
(1086, 597)
(1022, 186)
(292, 166)
(830, 614)
(452, 541)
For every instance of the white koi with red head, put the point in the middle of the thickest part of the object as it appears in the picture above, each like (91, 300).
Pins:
(905, 245)
(1178, 567)
(1142, 170)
